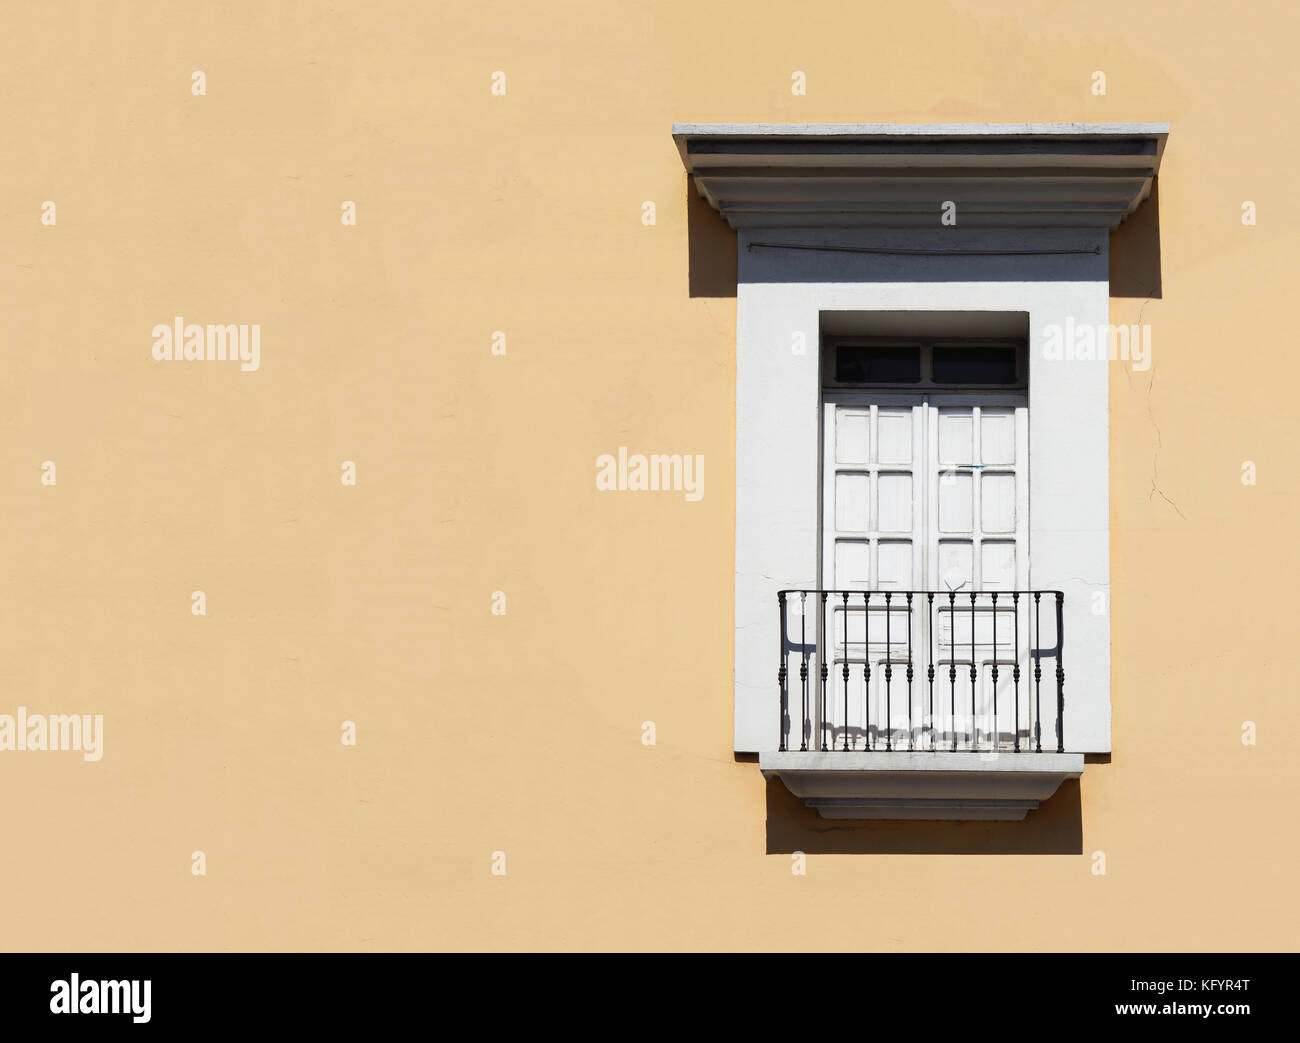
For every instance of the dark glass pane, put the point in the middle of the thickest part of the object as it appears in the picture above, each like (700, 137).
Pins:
(974, 365)
(862, 364)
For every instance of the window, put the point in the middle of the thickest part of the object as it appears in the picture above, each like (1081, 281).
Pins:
(863, 362)
(868, 364)
(974, 365)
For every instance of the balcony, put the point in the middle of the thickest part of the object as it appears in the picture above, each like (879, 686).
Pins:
(922, 704)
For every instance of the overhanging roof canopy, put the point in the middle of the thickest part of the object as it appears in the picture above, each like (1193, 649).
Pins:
(881, 175)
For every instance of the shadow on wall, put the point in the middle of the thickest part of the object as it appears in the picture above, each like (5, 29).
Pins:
(1054, 828)
(1135, 251)
(712, 250)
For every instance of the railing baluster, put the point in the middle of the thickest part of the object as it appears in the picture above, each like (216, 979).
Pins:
(996, 740)
(929, 655)
(974, 735)
(804, 725)
(825, 672)
(889, 674)
(952, 665)
(1015, 672)
(846, 671)
(1060, 673)
(910, 727)
(866, 670)
(1038, 678)
(780, 674)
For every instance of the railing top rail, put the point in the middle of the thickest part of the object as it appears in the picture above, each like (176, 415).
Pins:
(960, 591)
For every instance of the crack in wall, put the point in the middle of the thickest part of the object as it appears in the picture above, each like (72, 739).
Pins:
(1155, 455)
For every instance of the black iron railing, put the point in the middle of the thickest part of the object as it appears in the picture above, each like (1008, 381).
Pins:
(879, 670)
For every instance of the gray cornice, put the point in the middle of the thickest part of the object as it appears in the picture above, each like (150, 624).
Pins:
(1060, 175)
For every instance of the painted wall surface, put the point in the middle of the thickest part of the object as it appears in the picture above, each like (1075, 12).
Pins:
(782, 294)
(523, 733)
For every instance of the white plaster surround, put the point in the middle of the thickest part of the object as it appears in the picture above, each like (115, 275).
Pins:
(778, 425)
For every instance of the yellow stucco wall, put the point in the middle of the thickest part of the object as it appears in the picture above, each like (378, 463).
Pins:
(479, 733)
